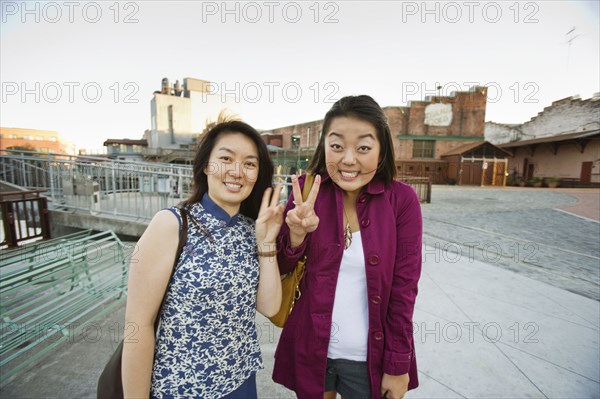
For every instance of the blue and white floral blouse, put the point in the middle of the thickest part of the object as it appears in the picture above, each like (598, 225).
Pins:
(207, 343)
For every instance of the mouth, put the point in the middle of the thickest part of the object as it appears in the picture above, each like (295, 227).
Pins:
(346, 175)
(233, 187)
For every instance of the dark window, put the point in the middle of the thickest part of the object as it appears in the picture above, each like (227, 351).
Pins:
(423, 148)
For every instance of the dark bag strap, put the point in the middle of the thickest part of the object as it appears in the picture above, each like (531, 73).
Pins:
(182, 240)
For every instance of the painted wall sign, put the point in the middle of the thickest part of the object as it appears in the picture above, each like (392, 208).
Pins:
(438, 114)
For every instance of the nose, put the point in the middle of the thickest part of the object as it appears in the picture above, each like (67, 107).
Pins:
(349, 158)
(234, 169)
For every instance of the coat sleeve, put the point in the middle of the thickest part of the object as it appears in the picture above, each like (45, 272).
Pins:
(287, 257)
(398, 351)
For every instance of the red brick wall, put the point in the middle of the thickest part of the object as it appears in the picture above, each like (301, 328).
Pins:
(468, 120)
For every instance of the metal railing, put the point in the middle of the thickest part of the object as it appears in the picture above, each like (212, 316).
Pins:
(52, 293)
(422, 186)
(135, 190)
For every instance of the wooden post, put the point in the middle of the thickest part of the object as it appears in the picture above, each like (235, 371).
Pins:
(483, 170)
(8, 220)
(44, 217)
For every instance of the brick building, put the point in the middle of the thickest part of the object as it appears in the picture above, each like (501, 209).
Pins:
(37, 140)
(422, 132)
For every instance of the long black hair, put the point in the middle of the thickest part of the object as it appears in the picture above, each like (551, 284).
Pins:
(251, 205)
(361, 107)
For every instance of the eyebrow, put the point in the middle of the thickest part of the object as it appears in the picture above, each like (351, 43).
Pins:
(364, 136)
(233, 152)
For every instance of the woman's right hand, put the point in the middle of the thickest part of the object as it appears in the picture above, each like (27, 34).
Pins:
(302, 219)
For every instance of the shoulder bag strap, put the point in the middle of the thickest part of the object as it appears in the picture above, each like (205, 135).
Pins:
(182, 240)
(308, 183)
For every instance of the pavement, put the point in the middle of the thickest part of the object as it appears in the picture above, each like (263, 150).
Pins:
(508, 305)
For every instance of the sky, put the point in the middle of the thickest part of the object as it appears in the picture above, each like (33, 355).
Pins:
(89, 69)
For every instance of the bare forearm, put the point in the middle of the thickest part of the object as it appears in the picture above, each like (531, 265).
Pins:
(138, 358)
(268, 297)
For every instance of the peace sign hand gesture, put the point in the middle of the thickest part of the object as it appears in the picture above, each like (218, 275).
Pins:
(270, 217)
(302, 219)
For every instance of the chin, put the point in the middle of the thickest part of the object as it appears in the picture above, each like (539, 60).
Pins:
(350, 186)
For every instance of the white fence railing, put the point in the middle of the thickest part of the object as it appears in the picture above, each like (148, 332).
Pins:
(100, 186)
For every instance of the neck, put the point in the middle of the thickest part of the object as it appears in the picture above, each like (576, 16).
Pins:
(350, 196)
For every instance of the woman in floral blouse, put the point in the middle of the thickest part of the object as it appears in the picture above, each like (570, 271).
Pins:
(207, 345)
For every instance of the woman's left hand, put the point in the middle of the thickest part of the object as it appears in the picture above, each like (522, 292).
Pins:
(394, 386)
(270, 218)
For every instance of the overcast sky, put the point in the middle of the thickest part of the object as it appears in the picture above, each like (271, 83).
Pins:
(88, 69)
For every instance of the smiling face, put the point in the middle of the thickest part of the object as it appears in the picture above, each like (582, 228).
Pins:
(231, 171)
(351, 153)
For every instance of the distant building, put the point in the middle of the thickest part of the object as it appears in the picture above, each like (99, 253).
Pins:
(125, 149)
(293, 146)
(37, 140)
(561, 142)
(422, 133)
(571, 114)
(179, 114)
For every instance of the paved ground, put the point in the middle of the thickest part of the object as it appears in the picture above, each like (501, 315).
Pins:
(508, 305)
(587, 205)
(524, 230)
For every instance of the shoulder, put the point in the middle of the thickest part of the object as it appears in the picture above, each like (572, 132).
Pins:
(166, 221)
(402, 195)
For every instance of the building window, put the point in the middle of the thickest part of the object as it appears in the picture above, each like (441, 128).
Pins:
(423, 148)
(52, 138)
(295, 141)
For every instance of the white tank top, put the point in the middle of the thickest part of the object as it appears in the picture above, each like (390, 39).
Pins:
(350, 318)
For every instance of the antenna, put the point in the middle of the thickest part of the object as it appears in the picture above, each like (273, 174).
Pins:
(571, 36)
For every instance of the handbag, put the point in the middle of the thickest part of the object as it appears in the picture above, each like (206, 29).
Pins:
(110, 383)
(290, 282)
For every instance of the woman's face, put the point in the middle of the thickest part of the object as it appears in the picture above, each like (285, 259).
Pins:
(351, 152)
(232, 170)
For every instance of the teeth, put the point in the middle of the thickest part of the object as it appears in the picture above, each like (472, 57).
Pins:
(349, 174)
(233, 185)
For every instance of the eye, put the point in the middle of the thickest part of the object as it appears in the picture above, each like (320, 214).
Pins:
(251, 165)
(225, 158)
(336, 147)
(364, 148)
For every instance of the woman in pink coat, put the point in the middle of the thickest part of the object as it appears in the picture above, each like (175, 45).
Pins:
(351, 330)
